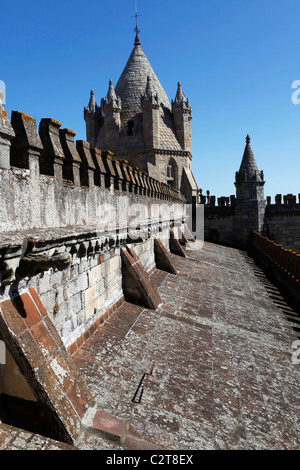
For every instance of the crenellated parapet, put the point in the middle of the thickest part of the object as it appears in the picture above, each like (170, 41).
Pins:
(284, 201)
(282, 221)
(283, 206)
(210, 201)
(50, 182)
(6, 135)
(52, 151)
(216, 207)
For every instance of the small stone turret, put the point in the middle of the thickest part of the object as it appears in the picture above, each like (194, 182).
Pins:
(111, 107)
(92, 118)
(250, 201)
(182, 114)
(249, 181)
(150, 107)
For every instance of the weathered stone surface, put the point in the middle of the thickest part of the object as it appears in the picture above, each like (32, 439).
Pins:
(43, 360)
(6, 135)
(141, 126)
(223, 376)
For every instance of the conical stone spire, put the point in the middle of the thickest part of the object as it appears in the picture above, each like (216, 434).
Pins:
(91, 116)
(111, 98)
(180, 96)
(149, 90)
(150, 96)
(181, 103)
(132, 87)
(111, 95)
(92, 109)
(249, 169)
(92, 103)
(132, 83)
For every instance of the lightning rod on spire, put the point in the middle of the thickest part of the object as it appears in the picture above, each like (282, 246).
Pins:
(136, 29)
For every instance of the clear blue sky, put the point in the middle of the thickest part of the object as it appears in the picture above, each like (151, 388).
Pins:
(236, 60)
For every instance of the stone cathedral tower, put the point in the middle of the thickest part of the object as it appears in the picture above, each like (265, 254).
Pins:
(137, 122)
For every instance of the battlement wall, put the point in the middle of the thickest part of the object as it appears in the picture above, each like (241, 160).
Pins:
(283, 204)
(219, 218)
(67, 212)
(282, 221)
(48, 180)
(215, 205)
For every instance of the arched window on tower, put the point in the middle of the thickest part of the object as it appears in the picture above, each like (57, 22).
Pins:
(172, 174)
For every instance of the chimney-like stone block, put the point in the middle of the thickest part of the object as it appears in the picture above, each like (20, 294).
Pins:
(52, 157)
(26, 146)
(6, 135)
(87, 168)
(72, 163)
(100, 170)
(109, 168)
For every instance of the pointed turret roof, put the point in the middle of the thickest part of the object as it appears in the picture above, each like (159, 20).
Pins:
(149, 89)
(92, 109)
(131, 88)
(133, 80)
(248, 165)
(180, 101)
(92, 103)
(111, 100)
(111, 94)
(149, 95)
(180, 96)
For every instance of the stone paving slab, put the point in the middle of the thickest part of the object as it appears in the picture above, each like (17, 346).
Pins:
(222, 345)
(223, 378)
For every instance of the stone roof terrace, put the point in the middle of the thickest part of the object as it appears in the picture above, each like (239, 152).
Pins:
(221, 346)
